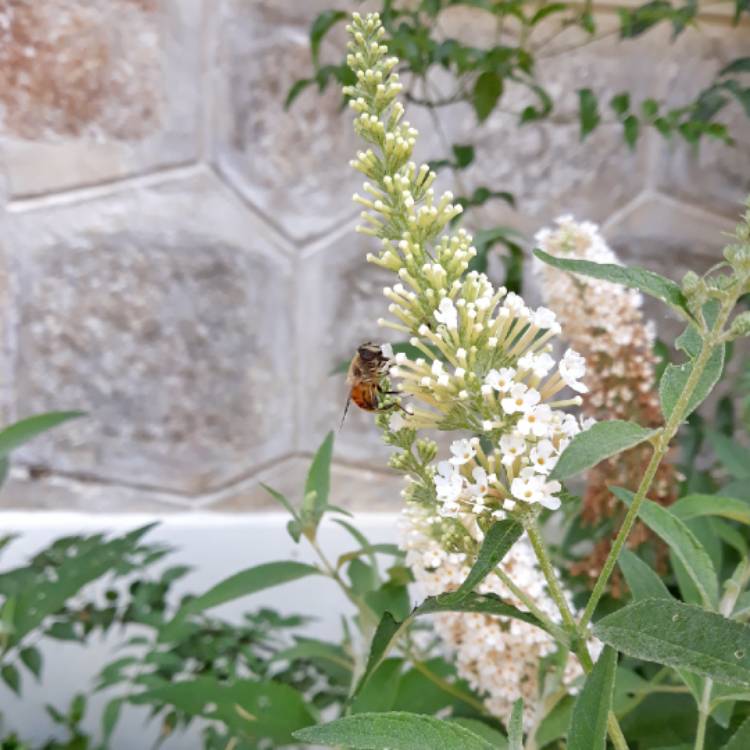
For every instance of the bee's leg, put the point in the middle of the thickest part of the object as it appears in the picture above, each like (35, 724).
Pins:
(346, 410)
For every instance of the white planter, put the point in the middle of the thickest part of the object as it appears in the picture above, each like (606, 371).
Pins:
(216, 545)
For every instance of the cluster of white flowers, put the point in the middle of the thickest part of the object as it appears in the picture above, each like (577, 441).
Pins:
(487, 367)
(498, 656)
(605, 322)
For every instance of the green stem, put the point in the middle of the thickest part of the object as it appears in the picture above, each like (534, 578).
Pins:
(579, 644)
(661, 447)
(553, 629)
(703, 711)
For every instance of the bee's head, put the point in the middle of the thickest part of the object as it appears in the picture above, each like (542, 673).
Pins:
(370, 352)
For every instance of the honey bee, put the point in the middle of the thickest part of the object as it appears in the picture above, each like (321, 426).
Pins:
(364, 377)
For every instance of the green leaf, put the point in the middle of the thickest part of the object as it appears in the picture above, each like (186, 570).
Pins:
(487, 91)
(642, 581)
(479, 728)
(602, 440)
(632, 128)
(396, 730)
(390, 629)
(620, 103)
(588, 725)
(260, 710)
(248, 581)
(21, 432)
(32, 660)
(741, 738)
(515, 726)
(683, 543)
(735, 458)
(11, 678)
(279, 498)
(546, 10)
(464, 155)
(497, 542)
(682, 636)
(379, 695)
(110, 717)
(675, 377)
(649, 109)
(370, 549)
(740, 65)
(296, 89)
(695, 506)
(320, 27)
(317, 486)
(588, 111)
(634, 277)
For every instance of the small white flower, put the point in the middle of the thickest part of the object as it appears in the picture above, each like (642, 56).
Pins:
(549, 497)
(544, 318)
(387, 351)
(463, 451)
(396, 422)
(572, 368)
(448, 482)
(528, 489)
(543, 456)
(437, 367)
(512, 446)
(539, 364)
(501, 380)
(481, 484)
(447, 313)
(522, 399)
(570, 426)
(536, 421)
(587, 422)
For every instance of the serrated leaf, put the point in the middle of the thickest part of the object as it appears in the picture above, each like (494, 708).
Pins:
(675, 377)
(32, 660)
(680, 635)
(683, 543)
(396, 730)
(487, 91)
(642, 581)
(588, 724)
(633, 277)
(515, 726)
(21, 432)
(256, 709)
(602, 440)
(588, 111)
(497, 542)
(320, 27)
(696, 506)
(248, 581)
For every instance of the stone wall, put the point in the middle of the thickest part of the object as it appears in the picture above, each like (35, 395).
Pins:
(177, 254)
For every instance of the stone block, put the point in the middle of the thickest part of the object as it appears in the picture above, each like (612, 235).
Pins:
(164, 313)
(91, 92)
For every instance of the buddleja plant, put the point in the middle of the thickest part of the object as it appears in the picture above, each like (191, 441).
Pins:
(487, 374)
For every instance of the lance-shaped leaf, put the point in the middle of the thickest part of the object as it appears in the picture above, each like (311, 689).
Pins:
(695, 506)
(397, 730)
(634, 277)
(15, 435)
(317, 487)
(515, 726)
(601, 441)
(683, 543)
(497, 542)
(240, 584)
(588, 724)
(642, 581)
(680, 635)
(390, 629)
(675, 377)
